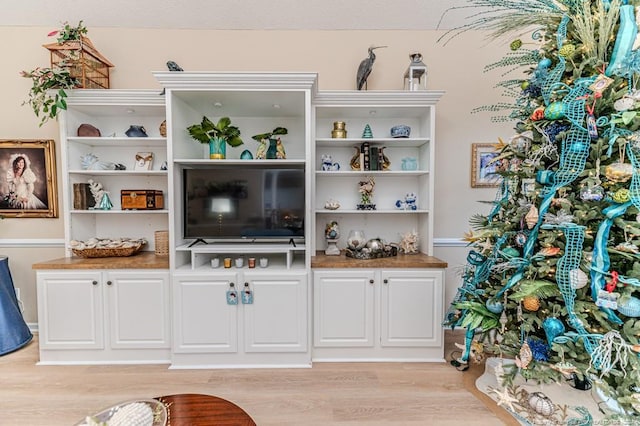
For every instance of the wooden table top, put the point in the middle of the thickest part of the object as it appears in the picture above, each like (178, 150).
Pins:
(191, 409)
(142, 260)
(419, 260)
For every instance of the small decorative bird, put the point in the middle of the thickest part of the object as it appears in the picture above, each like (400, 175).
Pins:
(365, 68)
(173, 66)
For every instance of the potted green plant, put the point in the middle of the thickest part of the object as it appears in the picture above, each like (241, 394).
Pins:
(270, 145)
(216, 135)
(47, 95)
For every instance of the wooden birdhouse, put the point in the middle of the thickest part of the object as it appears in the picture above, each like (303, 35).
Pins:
(85, 63)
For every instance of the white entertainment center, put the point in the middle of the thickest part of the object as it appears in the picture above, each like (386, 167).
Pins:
(304, 306)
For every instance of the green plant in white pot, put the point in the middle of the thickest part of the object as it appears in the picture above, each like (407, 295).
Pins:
(216, 135)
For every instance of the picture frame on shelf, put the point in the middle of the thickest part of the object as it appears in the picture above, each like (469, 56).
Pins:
(28, 185)
(483, 169)
(143, 161)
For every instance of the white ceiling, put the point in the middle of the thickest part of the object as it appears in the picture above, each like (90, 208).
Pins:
(238, 14)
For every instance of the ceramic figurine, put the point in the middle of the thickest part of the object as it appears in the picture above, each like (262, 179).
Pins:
(332, 234)
(328, 164)
(409, 202)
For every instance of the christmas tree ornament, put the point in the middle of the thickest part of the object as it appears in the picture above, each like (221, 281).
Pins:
(591, 193)
(623, 104)
(553, 328)
(578, 278)
(629, 306)
(521, 142)
(520, 239)
(531, 303)
(525, 356)
(549, 251)
(494, 306)
(532, 216)
(554, 111)
(510, 252)
(541, 404)
(621, 196)
(618, 172)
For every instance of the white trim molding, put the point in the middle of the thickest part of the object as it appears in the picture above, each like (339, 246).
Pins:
(32, 242)
(449, 242)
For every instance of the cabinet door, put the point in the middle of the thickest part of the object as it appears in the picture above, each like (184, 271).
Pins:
(411, 308)
(70, 310)
(138, 308)
(276, 321)
(343, 303)
(203, 321)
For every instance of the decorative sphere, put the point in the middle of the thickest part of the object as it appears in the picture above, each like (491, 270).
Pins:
(541, 404)
(494, 306)
(531, 303)
(554, 111)
(578, 278)
(553, 327)
(544, 63)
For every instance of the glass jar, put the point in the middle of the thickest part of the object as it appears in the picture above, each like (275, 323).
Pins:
(356, 240)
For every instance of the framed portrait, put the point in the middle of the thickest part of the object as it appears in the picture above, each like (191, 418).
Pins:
(28, 179)
(483, 168)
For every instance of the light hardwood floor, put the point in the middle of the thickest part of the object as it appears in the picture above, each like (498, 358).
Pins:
(370, 394)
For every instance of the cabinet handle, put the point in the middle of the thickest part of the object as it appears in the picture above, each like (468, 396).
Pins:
(231, 285)
(371, 281)
(94, 282)
(109, 283)
(386, 281)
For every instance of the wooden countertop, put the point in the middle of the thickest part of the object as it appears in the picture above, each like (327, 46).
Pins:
(142, 260)
(420, 260)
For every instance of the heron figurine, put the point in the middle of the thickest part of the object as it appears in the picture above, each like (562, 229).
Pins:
(365, 68)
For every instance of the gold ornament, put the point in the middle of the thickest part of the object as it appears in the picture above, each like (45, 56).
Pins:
(163, 129)
(531, 303)
(618, 172)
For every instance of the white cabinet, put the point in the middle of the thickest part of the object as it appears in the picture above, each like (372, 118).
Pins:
(378, 315)
(210, 332)
(112, 112)
(380, 111)
(100, 316)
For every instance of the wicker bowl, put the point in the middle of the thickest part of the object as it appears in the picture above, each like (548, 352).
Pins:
(107, 252)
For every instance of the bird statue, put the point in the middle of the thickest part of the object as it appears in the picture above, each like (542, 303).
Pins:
(171, 66)
(365, 68)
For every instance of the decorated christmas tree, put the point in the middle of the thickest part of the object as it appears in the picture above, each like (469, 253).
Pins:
(553, 273)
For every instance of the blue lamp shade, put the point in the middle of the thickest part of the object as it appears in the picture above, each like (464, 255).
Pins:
(14, 332)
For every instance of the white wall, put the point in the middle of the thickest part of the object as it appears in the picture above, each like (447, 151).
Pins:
(456, 68)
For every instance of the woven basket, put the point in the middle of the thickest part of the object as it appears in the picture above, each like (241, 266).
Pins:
(162, 243)
(107, 252)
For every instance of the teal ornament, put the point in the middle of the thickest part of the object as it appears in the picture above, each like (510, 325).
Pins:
(554, 111)
(553, 327)
(520, 239)
(544, 63)
(511, 252)
(246, 155)
(494, 306)
(629, 307)
(627, 32)
(544, 177)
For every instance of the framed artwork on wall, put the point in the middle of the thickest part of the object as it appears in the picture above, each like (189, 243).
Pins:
(483, 169)
(28, 179)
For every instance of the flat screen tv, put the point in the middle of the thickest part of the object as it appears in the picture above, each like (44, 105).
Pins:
(244, 203)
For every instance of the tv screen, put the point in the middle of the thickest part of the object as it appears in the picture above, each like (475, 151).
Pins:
(229, 203)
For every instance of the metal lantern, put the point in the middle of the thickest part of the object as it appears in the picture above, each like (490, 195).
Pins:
(415, 78)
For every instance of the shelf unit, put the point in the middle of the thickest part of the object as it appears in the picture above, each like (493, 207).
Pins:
(112, 112)
(381, 111)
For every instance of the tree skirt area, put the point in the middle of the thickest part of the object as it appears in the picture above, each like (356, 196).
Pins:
(556, 403)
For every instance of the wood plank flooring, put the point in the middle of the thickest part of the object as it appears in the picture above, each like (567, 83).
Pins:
(370, 394)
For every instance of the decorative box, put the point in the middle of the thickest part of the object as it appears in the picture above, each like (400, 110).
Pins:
(141, 199)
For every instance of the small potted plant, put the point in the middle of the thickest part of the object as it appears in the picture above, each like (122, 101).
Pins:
(271, 146)
(216, 135)
(45, 101)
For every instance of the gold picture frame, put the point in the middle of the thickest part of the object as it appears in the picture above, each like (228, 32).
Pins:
(483, 171)
(28, 179)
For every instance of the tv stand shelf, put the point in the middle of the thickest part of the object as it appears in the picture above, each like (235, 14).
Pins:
(202, 254)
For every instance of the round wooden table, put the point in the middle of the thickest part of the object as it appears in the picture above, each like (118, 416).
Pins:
(190, 409)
